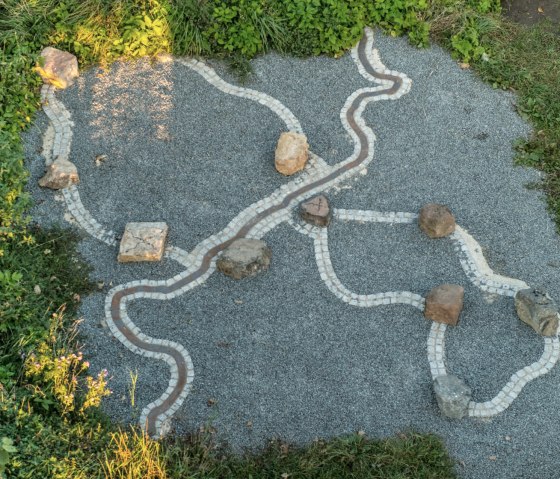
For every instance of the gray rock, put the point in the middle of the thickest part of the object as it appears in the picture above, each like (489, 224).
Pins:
(453, 396)
(538, 310)
(244, 257)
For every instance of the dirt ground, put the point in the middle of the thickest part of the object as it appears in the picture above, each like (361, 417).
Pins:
(529, 12)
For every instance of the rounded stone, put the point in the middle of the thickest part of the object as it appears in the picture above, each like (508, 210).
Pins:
(292, 153)
(59, 68)
(436, 220)
(244, 258)
(60, 174)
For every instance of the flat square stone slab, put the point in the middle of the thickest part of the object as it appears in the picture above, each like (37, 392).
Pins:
(142, 242)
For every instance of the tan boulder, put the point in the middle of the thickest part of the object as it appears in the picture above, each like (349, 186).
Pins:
(292, 152)
(142, 242)
(444, 304)
(60, 174)
(436, 220)
(59, 69)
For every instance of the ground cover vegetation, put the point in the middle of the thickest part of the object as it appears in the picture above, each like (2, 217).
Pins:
(50, 424)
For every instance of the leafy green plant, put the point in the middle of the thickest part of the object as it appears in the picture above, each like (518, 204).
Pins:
(145, 33)
(6, 447)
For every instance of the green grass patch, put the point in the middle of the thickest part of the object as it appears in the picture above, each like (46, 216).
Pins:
(404, 456)
(528, 62)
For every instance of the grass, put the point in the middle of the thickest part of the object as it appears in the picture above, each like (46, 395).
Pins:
(527, 61)
(49, 413)
(405, 456)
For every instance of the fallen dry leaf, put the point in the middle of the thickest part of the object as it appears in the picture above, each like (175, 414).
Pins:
(464, 66)
(540, 10)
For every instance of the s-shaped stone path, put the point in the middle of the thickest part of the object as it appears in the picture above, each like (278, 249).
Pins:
(263, 216)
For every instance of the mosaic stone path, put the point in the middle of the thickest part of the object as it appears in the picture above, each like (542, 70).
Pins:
(264, 215)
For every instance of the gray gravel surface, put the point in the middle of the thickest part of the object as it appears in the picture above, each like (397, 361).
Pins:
(280, 350)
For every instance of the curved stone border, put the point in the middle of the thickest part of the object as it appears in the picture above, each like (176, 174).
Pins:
(328, 275)
(216, 81)
(506, 396)
(261, 217)
(253, 222)
(476, 269)
(56, 144)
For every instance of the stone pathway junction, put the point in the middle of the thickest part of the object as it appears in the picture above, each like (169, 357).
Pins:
(338, 245)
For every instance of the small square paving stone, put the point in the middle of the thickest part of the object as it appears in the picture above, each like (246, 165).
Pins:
(142, 242)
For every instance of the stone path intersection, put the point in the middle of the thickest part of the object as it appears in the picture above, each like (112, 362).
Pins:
(300, 203)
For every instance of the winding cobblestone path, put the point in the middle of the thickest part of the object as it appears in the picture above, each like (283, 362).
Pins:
(264, 215)
(182, 372)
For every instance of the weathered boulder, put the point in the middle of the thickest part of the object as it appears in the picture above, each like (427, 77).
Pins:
(142, 242)
(60, 174)
(292, 153)
(316, 211)
(452, 395)
(60, 68)
(436, 220)
(244, 257)
(538, 310)
(444, 303)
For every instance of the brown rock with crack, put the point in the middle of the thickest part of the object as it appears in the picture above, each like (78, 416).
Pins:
(291, 153)
(538, 310)
(60, 174)
(316, 211)
(436, 220)
(142, 242)
(244, 258)
(60, 68)
(444, 304)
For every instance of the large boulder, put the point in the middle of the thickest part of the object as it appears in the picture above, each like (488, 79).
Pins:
(538, 310)
(59, 68)
(444, 304)
(244, 258)
(60, 174)
(452, 395)
(292, 152)
(436, 220)
(142, 242)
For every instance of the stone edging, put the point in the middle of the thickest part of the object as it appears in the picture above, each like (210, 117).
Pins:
(261, 217)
